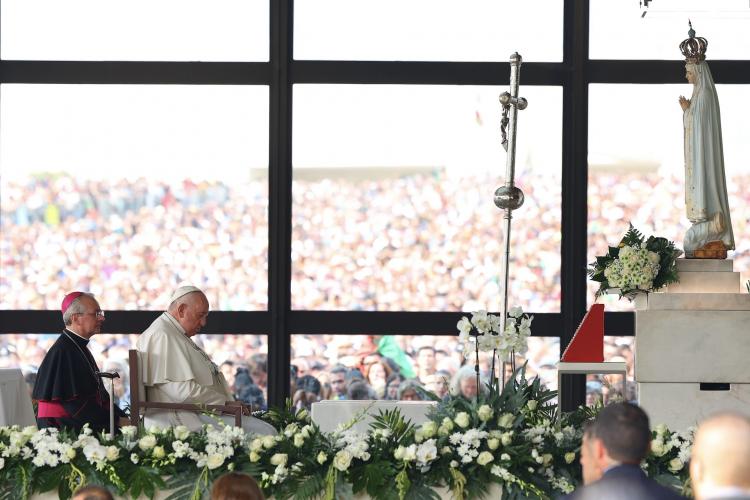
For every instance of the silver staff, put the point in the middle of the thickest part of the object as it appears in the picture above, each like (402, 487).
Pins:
(111, 376)
(509, 197)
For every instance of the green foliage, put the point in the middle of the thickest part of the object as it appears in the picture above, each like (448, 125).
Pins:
(147, 480)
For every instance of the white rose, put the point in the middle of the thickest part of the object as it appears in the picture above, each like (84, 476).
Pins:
(322, 457)
(342, 460)
(445, 450)
(675, 465)
(254, 457)
(485, 413)
(532, 404)
(462, 420)
(657, 448)
(279, 459)
(129, 431)
(299, 440)
(158, 452)
(147, 442)
(215, 461)
(569, 457)
(505, 457)
(506, 421)
(398, 454)
(429, 429)
(70, 453)
(269, 442)
(181, 432)
(506, 438)
(454, 464)
(493, 443)
(546, 459)
(484, 458)
(134, 458)
(113, 453)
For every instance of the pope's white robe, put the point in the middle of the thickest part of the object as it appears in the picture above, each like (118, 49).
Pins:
(175, 370)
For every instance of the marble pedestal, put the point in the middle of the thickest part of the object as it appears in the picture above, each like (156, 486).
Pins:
(692, 352)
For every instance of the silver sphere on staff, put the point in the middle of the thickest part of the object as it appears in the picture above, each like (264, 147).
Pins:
(508, 197)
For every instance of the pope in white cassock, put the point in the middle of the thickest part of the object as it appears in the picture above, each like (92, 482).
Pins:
(176, 370)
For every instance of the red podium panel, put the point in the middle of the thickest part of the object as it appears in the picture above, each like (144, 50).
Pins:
(587, 345)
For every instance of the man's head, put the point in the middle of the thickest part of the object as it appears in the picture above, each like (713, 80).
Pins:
(426, 359)
(591, 470)
(620, 435)
(82, 314)
(338, 380)
(721, 454)
(92, 492)
(189, 307)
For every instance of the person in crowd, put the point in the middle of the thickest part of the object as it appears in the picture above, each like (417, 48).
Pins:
(438, 383)
(68, 387)
(259, 370)
(464, 383)
(176, 370)
(611, 453)
(410, 390)
(720, 461)
(376, 374)
(308, 392)
(236, 486)
(360, 391)
(246, 391)
(92, 492)
(426, 362)
(338, 382)
(391, 386)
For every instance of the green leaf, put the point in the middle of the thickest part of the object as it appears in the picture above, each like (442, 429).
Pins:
(143, 480)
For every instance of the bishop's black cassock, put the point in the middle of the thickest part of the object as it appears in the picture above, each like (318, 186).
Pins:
(68, 387)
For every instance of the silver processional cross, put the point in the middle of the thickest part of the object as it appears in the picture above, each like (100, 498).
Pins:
(509, 197)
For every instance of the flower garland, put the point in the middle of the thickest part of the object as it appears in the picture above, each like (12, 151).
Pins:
(508, 438)
(636, 265)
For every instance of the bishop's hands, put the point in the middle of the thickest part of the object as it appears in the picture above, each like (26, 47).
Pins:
(684, 103)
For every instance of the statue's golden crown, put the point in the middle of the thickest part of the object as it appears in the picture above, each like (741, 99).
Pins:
(694, 47)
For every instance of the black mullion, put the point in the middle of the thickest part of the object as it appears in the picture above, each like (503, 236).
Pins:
(574, 187)
(219, 322)
(135, 72)
(280, 201)
(427, 73)
(398, 323)
(607, 71)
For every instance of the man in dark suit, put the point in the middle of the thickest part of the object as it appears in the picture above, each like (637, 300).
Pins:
(612, 450)
(720, 461)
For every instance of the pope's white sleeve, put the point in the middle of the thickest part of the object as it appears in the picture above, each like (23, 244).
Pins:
(191, 392)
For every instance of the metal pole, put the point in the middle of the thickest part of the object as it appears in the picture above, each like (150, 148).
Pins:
(509, 197)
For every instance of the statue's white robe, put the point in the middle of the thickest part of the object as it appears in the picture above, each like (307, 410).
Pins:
(705, 182)
(175, 370)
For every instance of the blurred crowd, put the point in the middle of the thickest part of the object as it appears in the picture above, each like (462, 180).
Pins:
(418, 242)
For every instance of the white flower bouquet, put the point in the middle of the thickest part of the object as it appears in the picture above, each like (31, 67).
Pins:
(636, 265)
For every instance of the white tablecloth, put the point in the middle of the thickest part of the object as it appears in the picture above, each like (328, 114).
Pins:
(15, 401)
(329, 414)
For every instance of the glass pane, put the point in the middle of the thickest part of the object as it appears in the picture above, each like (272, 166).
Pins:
(407, 221)
(128, 191)
(137, 30)
(383, 364)
(620, 30)
(636, 168)
(608, 388)
(428, 30)
(233, 353)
